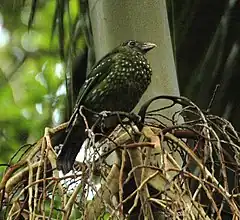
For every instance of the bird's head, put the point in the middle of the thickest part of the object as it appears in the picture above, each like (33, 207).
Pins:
(142, 47)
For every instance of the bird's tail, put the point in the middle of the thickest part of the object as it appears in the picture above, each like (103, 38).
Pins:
(70, 149)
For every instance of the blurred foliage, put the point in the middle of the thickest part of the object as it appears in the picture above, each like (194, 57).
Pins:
(32, 75)
(206, 42)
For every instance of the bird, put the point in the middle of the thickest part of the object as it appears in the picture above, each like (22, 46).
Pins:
(115, 83)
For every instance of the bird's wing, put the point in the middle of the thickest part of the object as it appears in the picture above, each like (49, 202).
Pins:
(97, 74)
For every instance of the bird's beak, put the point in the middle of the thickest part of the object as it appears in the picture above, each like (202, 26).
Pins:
(148, 46)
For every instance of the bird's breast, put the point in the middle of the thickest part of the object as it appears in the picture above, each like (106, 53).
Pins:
(123, 87)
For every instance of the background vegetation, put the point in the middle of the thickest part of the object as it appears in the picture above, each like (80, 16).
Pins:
(32, 90)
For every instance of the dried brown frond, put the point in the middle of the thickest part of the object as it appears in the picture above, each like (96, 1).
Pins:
(183, 167)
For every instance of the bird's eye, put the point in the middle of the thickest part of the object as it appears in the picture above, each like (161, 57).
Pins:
(131, 43)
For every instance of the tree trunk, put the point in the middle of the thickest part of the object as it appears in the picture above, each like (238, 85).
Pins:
(116, 21)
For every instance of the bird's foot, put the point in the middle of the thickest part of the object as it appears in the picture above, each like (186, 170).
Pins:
(104, 114)
(89, 133)
(134, 117)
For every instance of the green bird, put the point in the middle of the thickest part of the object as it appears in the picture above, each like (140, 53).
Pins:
(116, 83)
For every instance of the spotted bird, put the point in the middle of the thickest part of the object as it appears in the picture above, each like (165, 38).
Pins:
(116, 83)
